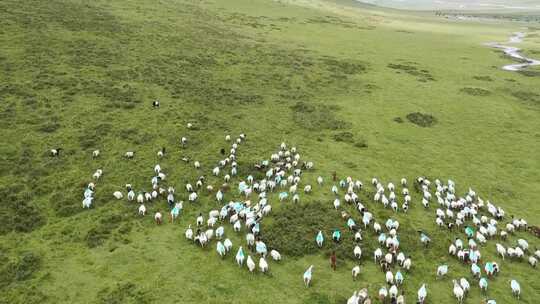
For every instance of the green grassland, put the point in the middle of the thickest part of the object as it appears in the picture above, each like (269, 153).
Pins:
(340, 82)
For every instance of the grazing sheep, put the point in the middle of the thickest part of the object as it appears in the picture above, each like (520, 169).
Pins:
(142, 209)
(319, 239)
(250, 264)
(389, 277)
(483, 284)
(155, 104)
(228, 245)
(56, 152)
(97, 174)
(516, 289)
(220, 249)
(158, 218)
(87, 202)
(399, 278)
(129, 154)
(357, 252)
(161, 152)
(118, 195)
(533, 261)
(276, 256)
(263, 265)
(189, 233)
(458, 291)
(240, 256)
(95, 154)
(422, 294)
(355, 272)
(308, 275)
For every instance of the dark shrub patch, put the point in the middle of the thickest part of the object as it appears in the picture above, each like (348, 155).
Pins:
(483, 78)
(475, 91)
(18, 212)
(344, 137)
(123, 293)
(49, 127)
(528, 97)
(19, 270)
(361, 143)
(317, 117)
(421, 119)
(530, 73)
(105, 228)
(298, 239)
(410, 69)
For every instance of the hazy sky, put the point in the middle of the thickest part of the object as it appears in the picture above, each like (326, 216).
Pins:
(520, 5)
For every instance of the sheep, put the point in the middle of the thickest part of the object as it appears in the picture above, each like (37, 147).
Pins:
(422, 294)
(355, 272)
(240, 256)
(458, 291)
(131, 195)
(452, 249)
(95, 154)
(319, 239)
(55, 152)
(389, 277)
(129, 154)
(142, 209)
(220, 231)
(357, 252)
(200, 220)
(533, 261)
(516, 289)
(97, 174)
(161, 152)
(87, 202)
(250, 264)
(183, 142)
(220, 249)
(189, 233)
(118, 195)
(407, 264)
(158, 218)
(155, 104)
(399, 278)
(393, 291)
(383, 293)
(483, 284)
(237, 226)
(400, 258)
(276, 256)
(209, 234)
(501, 250)
(464, 285)
(192, 196)
(263, 265)
(211, 221)
(308, 275)
(523, 244)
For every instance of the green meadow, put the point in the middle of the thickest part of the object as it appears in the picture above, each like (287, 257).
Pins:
(359, 90)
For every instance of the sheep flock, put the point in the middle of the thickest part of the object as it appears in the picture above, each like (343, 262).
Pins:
(243, 202)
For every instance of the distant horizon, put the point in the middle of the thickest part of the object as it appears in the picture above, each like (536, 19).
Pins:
(474, 5)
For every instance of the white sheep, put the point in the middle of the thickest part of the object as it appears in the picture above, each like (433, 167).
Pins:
(263, 265)
(118, 195)
(308, 276)
(275, 255)
(189, 233)
(142, 209)
(129, 154)
(250, 264)
(95, 154)
(516, 289)
(355, 272)
(240, 256)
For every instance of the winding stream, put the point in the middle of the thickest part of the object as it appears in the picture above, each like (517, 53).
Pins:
(514, 52)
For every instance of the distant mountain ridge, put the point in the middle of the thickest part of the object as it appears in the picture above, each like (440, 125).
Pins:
(477, 5)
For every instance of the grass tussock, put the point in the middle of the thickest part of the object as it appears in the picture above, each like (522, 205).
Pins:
(473, 91)
(422, 119)
(313, 116)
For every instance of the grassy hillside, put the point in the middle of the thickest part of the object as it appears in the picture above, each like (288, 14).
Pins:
(339, 83)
